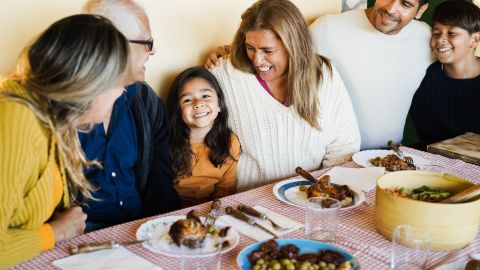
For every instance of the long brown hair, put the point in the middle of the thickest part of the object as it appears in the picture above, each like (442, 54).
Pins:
(67, 67)
(284, 19)
(218, 139)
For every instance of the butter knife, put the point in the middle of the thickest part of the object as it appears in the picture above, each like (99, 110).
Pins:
(241, 216)
(91, 247)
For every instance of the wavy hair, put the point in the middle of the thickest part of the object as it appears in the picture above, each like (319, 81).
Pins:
(217, 139)
(284, 19)
(63, 71)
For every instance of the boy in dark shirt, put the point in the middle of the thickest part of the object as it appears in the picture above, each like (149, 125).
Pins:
(446, 103)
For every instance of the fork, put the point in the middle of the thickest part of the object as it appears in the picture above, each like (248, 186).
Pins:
(213, 214)
(395, 147)
(253, 212)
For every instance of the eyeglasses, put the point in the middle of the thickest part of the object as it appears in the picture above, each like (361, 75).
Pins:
(148, 42)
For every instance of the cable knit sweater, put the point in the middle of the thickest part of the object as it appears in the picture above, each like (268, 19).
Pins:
(32, 182)
(273, 137)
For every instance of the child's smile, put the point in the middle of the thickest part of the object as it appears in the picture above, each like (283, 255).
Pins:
(199, 106)
(450, 44)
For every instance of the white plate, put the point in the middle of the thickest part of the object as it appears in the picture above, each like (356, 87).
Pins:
(288, 191)
(362, 158)
(158, 229)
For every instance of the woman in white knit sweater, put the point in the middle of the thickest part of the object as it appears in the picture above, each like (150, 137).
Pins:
(288, 105)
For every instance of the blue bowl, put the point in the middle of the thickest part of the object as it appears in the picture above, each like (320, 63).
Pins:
(305, 246)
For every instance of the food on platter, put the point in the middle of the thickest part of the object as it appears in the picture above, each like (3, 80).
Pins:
(271, 256)
(392, 163)
(191, 232)
(323, 188)
(423, 193)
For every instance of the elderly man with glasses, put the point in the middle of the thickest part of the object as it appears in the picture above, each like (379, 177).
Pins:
(132, 142)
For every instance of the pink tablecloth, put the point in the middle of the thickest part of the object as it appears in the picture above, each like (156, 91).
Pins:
(357, 232)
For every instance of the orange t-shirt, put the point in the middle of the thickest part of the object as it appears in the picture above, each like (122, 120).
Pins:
(207, 181)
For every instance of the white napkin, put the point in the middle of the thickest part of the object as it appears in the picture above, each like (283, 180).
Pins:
(257, 233)
(363, 178)
(117, 258)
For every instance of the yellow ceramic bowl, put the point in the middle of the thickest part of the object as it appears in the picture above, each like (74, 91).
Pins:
(452, 226)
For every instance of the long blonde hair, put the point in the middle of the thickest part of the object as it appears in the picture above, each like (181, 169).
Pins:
(284, 19)
(67, 67)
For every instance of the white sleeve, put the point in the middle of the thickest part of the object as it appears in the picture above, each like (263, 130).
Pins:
(340, 120)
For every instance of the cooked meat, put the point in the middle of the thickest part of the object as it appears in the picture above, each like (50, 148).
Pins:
(323, 188)
(189, 232)
(393, 163)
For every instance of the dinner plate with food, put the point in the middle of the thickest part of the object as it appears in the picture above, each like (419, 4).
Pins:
(296, 192)
(388, 159)
(295, 254)
(167, 233)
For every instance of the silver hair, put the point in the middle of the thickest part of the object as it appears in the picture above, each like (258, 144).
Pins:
(127, 15)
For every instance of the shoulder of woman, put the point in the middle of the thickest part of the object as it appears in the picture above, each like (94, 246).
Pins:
(226, 68)
(15, 116)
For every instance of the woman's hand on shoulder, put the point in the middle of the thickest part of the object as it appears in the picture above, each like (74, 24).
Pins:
(213, 59)
(69, 223)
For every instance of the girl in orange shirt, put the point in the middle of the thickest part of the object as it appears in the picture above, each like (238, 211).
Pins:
(203, 149)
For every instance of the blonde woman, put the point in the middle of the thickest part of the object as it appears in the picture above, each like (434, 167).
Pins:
(66, 80)
(288, 105)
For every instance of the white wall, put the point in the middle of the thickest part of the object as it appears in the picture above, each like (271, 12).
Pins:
(185, 31)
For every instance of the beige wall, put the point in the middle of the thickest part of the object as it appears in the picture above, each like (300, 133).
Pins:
(185, 31)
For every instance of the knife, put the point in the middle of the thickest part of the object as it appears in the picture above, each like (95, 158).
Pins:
(213, 214)
(241, 216)
(251, 211)
(85, 248)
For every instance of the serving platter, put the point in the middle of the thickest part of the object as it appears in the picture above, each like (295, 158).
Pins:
(305, 246)
(288, 191)
(157, 230)
(362, 158)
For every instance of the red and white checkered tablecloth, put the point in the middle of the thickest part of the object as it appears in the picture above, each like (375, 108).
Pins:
(357, 233)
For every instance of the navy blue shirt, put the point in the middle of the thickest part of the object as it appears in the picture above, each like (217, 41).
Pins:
(117, 152)
(444, 107)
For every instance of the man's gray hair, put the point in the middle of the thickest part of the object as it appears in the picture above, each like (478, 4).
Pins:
(127, 15)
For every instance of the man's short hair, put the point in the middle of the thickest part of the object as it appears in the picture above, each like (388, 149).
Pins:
(458, 13)
(422, 2)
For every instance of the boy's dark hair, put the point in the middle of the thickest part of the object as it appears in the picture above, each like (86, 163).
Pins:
(217, 139)
(458, 13)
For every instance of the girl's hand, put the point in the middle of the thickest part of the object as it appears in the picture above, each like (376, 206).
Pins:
(69, 223)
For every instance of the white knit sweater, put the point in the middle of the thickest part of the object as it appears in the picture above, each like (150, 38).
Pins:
(274, 139)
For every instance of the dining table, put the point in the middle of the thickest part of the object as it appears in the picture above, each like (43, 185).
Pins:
(356, 233)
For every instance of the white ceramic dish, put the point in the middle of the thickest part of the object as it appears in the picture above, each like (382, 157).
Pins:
(288, 191)
(157, 229)
(362, 158)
